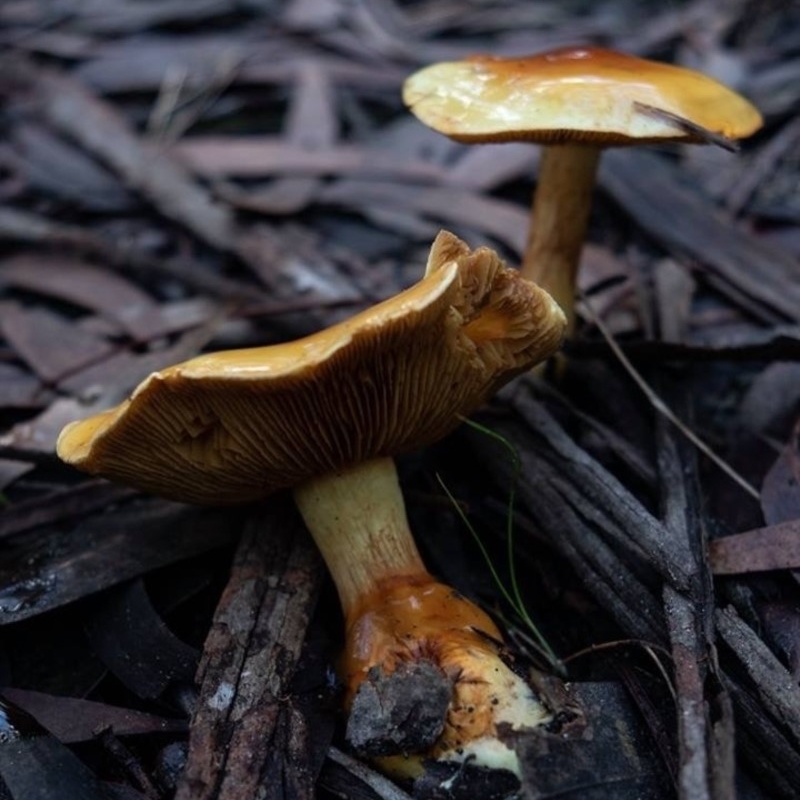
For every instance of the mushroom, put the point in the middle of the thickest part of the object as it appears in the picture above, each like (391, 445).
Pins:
(575, 101)
(323, 416)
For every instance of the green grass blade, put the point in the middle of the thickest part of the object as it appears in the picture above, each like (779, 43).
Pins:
(513, 596)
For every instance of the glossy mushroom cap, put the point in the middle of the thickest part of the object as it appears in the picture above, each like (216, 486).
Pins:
(236, 426)
(576, 94)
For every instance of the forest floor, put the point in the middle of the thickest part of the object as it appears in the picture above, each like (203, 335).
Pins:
(191, 175)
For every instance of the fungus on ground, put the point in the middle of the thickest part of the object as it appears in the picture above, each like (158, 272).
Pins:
(323, 416)
(575, 101)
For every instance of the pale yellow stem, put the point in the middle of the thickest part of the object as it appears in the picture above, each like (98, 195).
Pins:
(358, 520)
(559, 218)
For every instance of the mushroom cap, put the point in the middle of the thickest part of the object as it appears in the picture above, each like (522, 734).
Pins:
(236, 426)
(576, 94)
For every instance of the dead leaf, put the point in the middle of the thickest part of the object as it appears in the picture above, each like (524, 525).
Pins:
(773, 547)
(780, 492)
(50, 345)
(72, 719)
(80, 283)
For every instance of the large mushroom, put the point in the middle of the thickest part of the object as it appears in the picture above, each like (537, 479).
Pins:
(323, 416)
(575, 101)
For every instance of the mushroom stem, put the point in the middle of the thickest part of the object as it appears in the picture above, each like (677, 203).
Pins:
(358, 520)
(559, 218)
(398, 616)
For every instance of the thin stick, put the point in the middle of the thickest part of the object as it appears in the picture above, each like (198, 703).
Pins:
(649, 647)
(662, 408)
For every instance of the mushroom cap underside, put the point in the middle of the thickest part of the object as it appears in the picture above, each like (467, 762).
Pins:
(236, 426)
(576, 94)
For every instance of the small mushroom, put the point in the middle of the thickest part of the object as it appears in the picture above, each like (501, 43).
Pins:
(575, 101)
(323, 416)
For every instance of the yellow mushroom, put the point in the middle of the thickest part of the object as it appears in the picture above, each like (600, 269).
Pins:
(323, 416)
(575, 101)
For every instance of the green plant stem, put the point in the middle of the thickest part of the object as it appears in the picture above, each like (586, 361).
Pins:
(514, 596)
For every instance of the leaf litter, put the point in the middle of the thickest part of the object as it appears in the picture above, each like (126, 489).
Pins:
(182, 176)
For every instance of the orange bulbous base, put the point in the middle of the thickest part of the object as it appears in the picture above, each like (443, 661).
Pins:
(419, 619)
(406, 619)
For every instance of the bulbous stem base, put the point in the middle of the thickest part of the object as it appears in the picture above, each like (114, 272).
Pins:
(424, 622)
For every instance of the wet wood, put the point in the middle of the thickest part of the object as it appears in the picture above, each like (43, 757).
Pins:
(100, 552)
(248, 736)
(349, 777)
(62, 504)
(770, 735)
